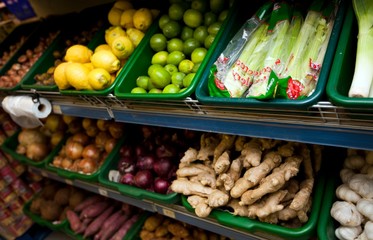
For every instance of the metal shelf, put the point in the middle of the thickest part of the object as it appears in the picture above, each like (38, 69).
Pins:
(170, 210)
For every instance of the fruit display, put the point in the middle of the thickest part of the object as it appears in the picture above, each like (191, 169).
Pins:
(160, 227)
(187, 31)
(96, 69)
(88, 146)
(268, 180)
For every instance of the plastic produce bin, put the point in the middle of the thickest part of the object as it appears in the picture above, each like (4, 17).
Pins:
(142, 60)
(202, 92)
(22, 9)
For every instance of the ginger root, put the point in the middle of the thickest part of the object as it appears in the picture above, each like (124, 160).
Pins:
(208, 144)
(301, 197)
(200, 205)
(239, 143)
(268, 205)
(229, 178)
(186, 187)
(222, 163)
(189, 156)
(225, 144)
(217, 198)
(237, 208)
(251, 153)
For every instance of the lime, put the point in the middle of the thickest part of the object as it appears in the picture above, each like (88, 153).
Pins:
(150, 85)
(198, 55)
(209, 18)
(193, 18)
(158, 42)
(214, 28)
(171, 88)
(177, 78)
(209, 40)
(189, 45)
(196, 67)
(186, 66)
(217, 5)
(182, 90)
(171, 69)
(199, 5)
(175, 44)
(163, 20)
(160, 77)
(142, 81)
(138, 90)
(175, 57)
(176, 11)
(188, 79)
(223, 15)
(160, 58)
(200, 33)
(171, 29)
(186, 33)
(155, 90)
(152, 67)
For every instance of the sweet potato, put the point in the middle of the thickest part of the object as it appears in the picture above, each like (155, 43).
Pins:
(84, 225)
(122, 231)
(96, 224)
(73, 219)
(88, 201)
(110, 220)
(108, 232)
(94, 210)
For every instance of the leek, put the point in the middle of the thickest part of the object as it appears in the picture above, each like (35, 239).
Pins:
(363, 74)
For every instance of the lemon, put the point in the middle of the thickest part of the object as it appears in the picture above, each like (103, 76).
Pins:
(78, 53)
(102, 47)
(113, 77)
(89, 65)
(77, 76)
(142, 19)
(123, 5)
(135, 35)
(112, 33)
(60, 77)
(99, 78)
(122, 47)
(106, 60)
(114, 16)
(126, 18)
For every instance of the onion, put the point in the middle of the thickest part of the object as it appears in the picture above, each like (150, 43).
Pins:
(66, 163)
(140, 150)
(147, 131)
(161, 185)
(116, 129)
(92, 131)
(110, 144)
(166, 150)
(124, 163)
(128, 179)
(163, 166)
(91, 151)
(37, 151)
(74, 149)
(101, 138)
(81, 137)
(143, 179)
(28, 136)
(75, 126)
(145, 162)
(87, 165)
(149, 145)
(126, 151)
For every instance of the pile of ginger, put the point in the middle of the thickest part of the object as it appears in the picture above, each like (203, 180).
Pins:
(264, 179)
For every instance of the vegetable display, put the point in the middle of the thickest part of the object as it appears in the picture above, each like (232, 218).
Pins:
(263, 179)
(354, 204)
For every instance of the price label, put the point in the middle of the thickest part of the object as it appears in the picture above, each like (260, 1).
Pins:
(168, 213)
(103, 192)
(44, 174)
(68, 181)
(57, 109)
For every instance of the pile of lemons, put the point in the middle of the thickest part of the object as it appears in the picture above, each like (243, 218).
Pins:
(86, 69)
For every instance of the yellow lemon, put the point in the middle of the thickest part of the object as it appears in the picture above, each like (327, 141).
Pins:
(78, 53)
(106, 60)
(112, 79)
(122, 47)
(114, 16)
(113, 32)
(142, 19)
(99, 78)
(135, 35)
(60, 77)
(77, 76)
(89, 65)
(102, 47)
(126, 18)
(123, 5)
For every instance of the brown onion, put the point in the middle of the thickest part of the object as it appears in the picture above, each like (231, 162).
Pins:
(101, 138)
(92, 131)
(91, 151)
(66, 163)
(37, 151)
(74, 149)
(81, 137)
(110, 144)
(116, 129)
(87, 165)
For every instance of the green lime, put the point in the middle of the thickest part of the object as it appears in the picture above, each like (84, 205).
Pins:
(196, 67)
(138, 90)
(200, 33)
(163, 20)
(160, 58)
(182, 90)
(223, 15)
(175, 57)
(171, 69)
(209, 18)
(142, 81)
(214, 28)
(176, 11)
(175, 44)
(150, 85)
(217, 5)
(155, 90)
(193, 18)
(186, 33)
(198, 55)
(152, 67)
(158, 42)
(199, 5)
(209, 40)
(177, 78)
(160, 77)
(171, 29)
(171, 88)
(188, 79)
(186, 66)
(189, 45)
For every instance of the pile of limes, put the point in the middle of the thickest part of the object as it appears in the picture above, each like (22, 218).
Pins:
(186, 33)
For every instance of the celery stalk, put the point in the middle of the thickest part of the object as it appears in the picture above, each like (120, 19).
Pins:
(363, 75)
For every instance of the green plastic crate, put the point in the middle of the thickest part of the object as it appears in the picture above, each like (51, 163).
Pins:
(142, 60)
(10, 145)
(202, 92)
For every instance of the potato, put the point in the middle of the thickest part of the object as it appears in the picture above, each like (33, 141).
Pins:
(50, 210)
(36, 204)
(76, 198)
(62, 196)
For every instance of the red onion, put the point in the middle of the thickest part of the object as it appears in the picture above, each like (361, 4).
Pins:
(161, 185)
(145, 162)
(163, 166)
(124, 163)
(166, 150)
(140, 150)
(128, 179)
(143, 179)
(126, 151)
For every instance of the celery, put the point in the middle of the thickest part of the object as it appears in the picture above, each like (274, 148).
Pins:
(363, 75)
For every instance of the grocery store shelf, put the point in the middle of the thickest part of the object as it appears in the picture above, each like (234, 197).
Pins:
(170, 210)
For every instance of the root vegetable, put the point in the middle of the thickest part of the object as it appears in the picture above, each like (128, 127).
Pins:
(122, 231)
(201, 208)
(178, 230)
(346, 174)
(87, 202)
(239, 143)
(344, 192)
(268, 205)
(229, 179)
(62, 196)
(91, 151)
(347, 233)
(143, 179)
(161, 186)
(37, 151)
(194, 170)
(307, 163)
(28, 136)
(354, 162)
(95, 225)
(301, 198)
(186, 187)
(222, 163)
(74, 149)
(365, 207)
(74, 220)
(108, 232)
(217, 198)
(153, 222)
(346, 214)
(237, 208)
(87, 165)
(286, 150)
(251, 153)
(81, 137)
(367, 233)
(189, 156)
(76, 198)
(163, 166)
(94, 210)
(225, 144)
(362, 184)
(208, 144)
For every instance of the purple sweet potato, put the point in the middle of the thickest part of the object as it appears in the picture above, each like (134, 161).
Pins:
(88, 201)
(84, 225)
(109, 232)
(94, 210)
(122, 231)
(96, 224)
(111, 220)
(73, 219)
